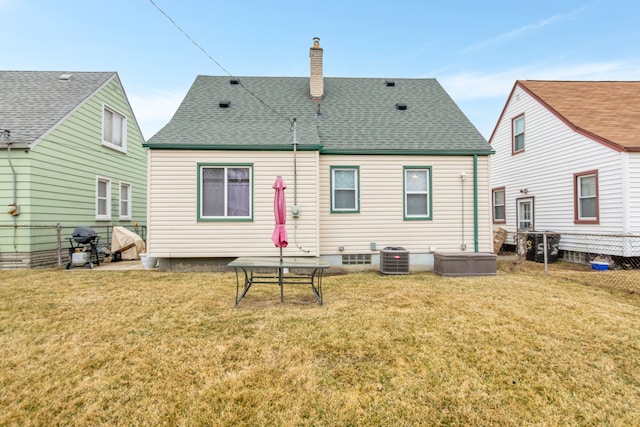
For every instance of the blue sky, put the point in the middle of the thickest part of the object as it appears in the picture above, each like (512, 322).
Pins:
(476, 49)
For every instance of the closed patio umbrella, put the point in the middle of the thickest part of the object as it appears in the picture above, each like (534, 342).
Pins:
(279, 236)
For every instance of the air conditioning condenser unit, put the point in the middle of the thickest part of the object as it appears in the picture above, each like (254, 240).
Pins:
(394, 260)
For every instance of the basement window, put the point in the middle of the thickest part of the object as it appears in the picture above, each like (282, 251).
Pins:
(356, 259)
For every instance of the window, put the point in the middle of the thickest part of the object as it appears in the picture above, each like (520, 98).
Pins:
(103, 198)
(356, 259)
(344, 189)
(498, 205)
(225, 192)
(114, 127)
(518, 134)
(125, 200)
(417, 193)
(586, 198)
(525, 214)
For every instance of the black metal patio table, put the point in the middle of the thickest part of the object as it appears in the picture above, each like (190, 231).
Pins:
(279, 271)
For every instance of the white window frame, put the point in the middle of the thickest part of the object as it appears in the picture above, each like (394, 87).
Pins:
(107, 199)
(112, 112)
(126, 212)
(426, 191)
(516, 134)
(579, 197)
(356, 189)
(520, 211)
(201, 193)
(496, 219)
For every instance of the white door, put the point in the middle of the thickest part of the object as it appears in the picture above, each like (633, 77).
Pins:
(525, 214)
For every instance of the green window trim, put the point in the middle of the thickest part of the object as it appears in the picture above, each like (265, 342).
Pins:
(355, 189)
(225, 166)
(427, 191)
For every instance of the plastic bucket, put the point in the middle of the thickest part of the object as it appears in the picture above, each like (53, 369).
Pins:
(148, 262)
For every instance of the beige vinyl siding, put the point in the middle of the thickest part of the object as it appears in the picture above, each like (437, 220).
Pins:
(553, 154)
(174, 230)
(381, 218)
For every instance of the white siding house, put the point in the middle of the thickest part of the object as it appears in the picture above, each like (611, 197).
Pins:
(567, 159)
(179, 233)
(381, 220)
(368, 163)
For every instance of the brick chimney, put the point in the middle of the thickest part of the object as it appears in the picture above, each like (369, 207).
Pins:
(316, 83)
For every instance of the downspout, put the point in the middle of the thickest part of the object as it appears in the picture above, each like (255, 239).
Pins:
(13, 208)
(475, 202)
(5, 139)
(463, 176)
(295, 212)
(14, 205)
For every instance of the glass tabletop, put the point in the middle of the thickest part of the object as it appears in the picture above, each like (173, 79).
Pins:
(275, 262)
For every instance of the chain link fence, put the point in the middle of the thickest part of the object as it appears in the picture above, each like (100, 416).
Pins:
(609, 260)
(35, 246)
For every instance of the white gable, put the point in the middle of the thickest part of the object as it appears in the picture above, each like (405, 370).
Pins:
(545, 170)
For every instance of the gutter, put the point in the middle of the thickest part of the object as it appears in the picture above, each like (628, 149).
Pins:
(232, 147)
(320, 148)
(413, 152)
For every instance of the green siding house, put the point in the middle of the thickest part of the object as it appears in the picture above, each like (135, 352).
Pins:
(369, 163)
(71, 155)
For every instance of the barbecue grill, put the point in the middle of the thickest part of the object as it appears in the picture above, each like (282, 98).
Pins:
(84, 248)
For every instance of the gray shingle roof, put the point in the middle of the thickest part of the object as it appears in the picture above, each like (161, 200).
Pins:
(33, 102)
(358, 115)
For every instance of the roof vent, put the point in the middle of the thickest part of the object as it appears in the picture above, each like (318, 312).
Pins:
(389, 83)
(401, 106)
(65, 77)
(234, 81)
(225, 104)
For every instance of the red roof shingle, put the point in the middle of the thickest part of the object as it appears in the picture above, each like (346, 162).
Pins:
(606, 110)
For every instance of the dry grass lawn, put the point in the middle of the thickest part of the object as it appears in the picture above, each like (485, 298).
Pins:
(86, 347)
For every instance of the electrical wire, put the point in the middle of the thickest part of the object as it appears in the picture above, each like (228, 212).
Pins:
(295, 187)
(292, 122)
(175, 24)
